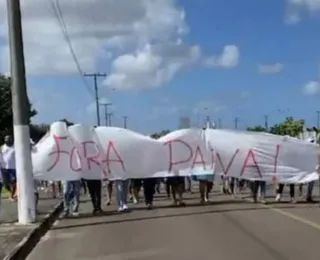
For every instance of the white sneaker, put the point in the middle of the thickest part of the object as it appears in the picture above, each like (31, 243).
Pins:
(120, 209)
(75, 214)
(125, 207)
(135, 201)
(278, 197)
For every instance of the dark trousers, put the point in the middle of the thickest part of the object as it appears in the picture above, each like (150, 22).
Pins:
(291, 189)
(149, 189)
(94, 187)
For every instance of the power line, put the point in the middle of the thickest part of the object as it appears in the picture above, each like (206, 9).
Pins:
(59, 15)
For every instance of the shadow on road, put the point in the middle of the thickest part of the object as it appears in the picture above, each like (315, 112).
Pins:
(217, 211)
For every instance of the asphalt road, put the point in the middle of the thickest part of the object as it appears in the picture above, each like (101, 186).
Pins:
(226, 229)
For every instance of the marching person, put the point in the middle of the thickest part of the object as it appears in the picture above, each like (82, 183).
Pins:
(255, 186)
(149, 185)
(122, 188)
(8, 168)
(71, 197)
(94, 188)
(176, 183)
(291, 191)
(109, 191)
(136, 185)
(205, 186)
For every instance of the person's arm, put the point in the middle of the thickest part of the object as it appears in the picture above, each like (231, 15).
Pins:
(318, 166)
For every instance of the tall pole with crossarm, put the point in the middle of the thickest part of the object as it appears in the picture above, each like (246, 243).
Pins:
(95, 78)
(20, 108)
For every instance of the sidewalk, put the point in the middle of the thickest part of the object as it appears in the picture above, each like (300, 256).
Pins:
(12, 234)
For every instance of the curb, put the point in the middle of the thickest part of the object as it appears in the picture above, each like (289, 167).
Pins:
(26, 245)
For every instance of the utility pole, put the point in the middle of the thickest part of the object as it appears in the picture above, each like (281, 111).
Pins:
(20, 108)
(125, 118)
(109, 115)
(266, 126)
(236, 120)
(105, 105)
(318, 119)
(95, 77)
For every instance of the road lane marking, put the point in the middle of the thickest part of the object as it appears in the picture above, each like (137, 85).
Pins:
(290, 215)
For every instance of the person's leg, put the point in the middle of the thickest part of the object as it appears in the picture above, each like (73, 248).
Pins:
(98, 187)
(300, 190)
(109, 191)
(120, 195)
(90, 186)
(1, 185)
(136, 183)
(173, 186)
(168, 188)
(146, 192)
(13, 183)
(202, 190)
(254, 190)
(84, 186)
(158, 185)
(125, 184)
(263, 189)
(180, 190)
(279, 191)
(6, 179)
(292, 193)
(209, 186)
(66, 197)
(309, 191)
(76, 198)
(188, 179)
(232, 185)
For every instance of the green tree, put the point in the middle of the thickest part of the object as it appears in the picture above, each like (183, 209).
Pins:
(160, 134)
(6, 119)
(38, 131)
(290, 126)
(257, 128)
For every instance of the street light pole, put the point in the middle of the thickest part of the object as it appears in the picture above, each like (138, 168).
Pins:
(96, 90)
(266, 126)
(109, 118)
(106, 112)
(125, 121)
(236, 120)
(20, 108)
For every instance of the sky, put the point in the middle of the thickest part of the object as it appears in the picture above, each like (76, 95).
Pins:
(166, 59)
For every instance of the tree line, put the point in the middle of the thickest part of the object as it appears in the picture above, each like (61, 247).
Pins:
(37, 131)
(290, 126)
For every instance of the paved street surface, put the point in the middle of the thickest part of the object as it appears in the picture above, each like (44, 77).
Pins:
(10, 233)
(226, 229)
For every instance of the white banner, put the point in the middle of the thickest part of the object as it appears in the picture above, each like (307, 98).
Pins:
(116, 153)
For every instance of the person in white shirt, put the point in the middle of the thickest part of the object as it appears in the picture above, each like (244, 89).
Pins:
(8, 167)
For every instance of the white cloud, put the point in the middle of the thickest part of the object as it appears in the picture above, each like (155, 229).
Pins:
(312, 88)
(139, 43)
(228, 59)
(296, 8)
(95, 27)
(151, 66)
(270, 68)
